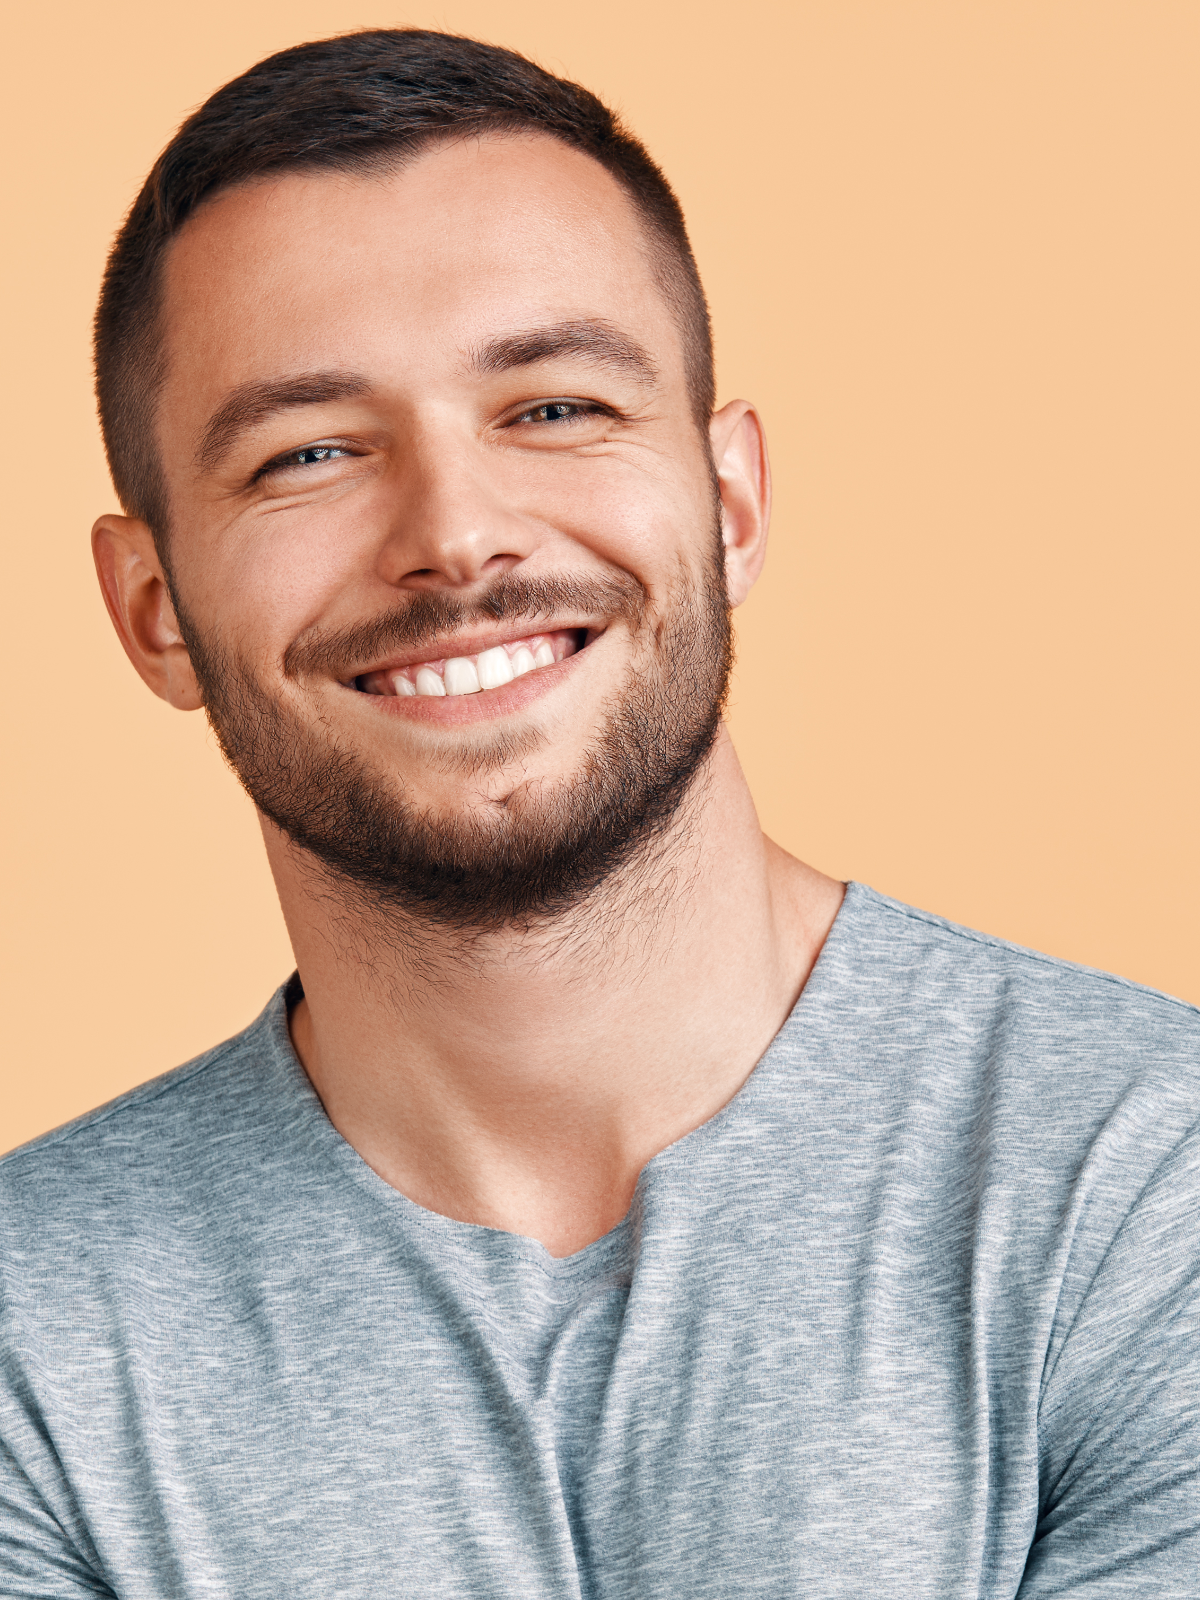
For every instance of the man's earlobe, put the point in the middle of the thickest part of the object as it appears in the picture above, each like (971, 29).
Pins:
(739, 448)
(139, 603)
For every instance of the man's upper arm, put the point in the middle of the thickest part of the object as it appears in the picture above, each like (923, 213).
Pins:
(1120, 1431)
(37, 1559)
(46, 1549)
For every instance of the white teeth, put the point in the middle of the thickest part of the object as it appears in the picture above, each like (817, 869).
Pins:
(461, 677)
(490, 669)
(494, 668)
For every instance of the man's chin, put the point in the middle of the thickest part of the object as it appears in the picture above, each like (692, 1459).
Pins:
(549, 818)
(525, 848)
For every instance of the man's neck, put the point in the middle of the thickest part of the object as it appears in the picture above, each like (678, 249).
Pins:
(521, 1080)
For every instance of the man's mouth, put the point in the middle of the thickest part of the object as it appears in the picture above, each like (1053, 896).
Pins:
(488, 669)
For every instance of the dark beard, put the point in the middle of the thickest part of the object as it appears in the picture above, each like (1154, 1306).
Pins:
(537, 853)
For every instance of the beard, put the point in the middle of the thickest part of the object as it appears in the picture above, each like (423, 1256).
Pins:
(542, 849)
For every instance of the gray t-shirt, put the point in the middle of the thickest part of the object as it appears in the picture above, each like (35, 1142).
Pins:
(914, 1315)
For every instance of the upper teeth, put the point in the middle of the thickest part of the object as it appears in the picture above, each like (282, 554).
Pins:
(490, 669)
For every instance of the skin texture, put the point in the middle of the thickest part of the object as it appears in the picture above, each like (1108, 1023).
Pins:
(520, 1077)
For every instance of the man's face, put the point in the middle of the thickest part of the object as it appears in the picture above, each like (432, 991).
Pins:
(425, 431)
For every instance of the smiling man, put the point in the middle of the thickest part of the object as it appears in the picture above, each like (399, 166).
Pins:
(610, 1205)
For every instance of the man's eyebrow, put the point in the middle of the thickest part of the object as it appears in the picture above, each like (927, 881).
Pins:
(252, 403)
(592, 339)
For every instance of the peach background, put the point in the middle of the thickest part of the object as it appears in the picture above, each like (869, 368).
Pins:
(952, 250)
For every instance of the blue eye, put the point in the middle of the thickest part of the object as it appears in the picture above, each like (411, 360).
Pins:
(556, 411)
(311, 454)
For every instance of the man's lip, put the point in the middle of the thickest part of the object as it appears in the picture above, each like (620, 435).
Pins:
(467, 710)
(473, 644)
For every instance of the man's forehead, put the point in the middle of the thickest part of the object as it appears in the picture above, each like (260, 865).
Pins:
(500, 209)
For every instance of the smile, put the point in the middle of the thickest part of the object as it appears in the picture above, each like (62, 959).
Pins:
(493, 668)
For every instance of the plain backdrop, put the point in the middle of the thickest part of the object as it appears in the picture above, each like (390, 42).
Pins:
(952, 252)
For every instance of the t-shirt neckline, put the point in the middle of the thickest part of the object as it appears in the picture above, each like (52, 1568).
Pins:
(474, 1238)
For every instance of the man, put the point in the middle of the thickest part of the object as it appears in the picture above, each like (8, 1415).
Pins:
(611, 1205)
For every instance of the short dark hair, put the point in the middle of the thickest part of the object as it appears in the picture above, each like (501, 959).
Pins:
(351, 102)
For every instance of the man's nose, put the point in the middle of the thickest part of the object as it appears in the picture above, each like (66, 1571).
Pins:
(450, 521)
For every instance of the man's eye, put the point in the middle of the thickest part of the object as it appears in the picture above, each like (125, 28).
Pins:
(557, 411)
(310, 456)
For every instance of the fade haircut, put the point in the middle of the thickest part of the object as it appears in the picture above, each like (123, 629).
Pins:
(360, 101)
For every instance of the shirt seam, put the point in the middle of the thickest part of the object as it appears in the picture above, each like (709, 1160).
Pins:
(1047, 1405)
(136, 1097)
(955, 930)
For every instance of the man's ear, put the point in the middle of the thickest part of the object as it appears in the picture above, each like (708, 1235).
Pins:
(135, 592)
(739, 449)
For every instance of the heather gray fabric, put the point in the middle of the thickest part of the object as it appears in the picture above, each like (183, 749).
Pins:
(915, 1315)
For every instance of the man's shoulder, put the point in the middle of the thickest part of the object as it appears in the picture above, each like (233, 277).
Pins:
(160, 1147)
(976, 1066)
(921, 977)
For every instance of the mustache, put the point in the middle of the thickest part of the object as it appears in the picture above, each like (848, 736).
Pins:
(430, 614)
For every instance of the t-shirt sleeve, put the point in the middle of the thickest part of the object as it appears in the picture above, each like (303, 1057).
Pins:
(45, 1547)
(1120, 1417)
(37, 1558)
